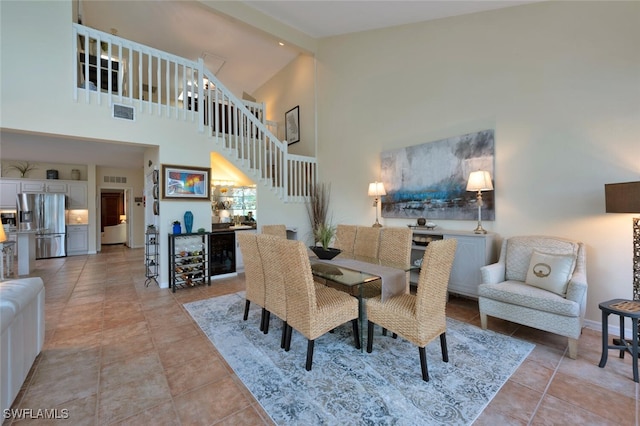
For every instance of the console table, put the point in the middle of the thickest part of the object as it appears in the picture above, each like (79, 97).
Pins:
(473, 252)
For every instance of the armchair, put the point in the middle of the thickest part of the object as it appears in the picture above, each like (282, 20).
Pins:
(540, 282)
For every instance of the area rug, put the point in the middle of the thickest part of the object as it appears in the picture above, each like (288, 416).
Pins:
(350, 387)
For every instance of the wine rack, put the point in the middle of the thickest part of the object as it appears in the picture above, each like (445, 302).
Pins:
(188, 260)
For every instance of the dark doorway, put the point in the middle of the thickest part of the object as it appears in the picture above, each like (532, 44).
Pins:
(112, 206)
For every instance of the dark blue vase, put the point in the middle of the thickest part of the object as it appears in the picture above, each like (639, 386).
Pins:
(188, 221)
(177, 229)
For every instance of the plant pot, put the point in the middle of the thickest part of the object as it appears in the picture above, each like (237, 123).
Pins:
(325, 254)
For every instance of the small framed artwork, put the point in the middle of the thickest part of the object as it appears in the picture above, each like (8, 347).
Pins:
(156, 208)
(156, 190)
(155, 176)
(182, 182)
(292, 125)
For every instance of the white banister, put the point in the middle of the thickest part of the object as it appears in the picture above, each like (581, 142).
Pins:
(123, 69)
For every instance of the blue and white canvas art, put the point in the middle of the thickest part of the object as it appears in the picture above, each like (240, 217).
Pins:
(430, 180)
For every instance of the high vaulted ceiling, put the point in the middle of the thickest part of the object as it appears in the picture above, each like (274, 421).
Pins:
(243, 58)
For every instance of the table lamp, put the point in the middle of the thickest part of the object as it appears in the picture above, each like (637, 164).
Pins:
(376, 189)
(625, 198)
(479, 181)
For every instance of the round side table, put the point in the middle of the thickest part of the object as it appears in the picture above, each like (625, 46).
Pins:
(623, 308)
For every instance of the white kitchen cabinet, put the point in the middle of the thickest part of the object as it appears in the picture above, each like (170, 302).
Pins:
(472, 252)
(239, 259)
(51, 186)
(77, 239)
(9, 188)
(77, 195)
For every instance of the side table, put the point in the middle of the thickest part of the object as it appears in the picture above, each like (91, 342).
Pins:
(623, 308)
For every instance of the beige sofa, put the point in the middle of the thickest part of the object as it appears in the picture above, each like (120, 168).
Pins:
(116, 234)
(22, 333)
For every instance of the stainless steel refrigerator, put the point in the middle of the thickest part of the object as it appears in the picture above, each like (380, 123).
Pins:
(45, 214)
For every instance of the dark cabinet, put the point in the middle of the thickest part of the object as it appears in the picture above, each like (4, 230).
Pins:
(222, 252)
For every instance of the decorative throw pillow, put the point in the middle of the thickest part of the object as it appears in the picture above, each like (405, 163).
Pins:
(550, 272)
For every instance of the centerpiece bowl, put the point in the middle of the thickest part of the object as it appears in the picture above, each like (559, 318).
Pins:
(325, 254)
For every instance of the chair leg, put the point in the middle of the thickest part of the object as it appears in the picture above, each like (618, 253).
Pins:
(423, 364)
(283, 339)
(246, 310)
(483, 321)
(369, 336)
(394, 336)
(356, 332)
(287, 344)
(573, 348)
(263, 314)
(443, 347)
(384, 331)
(309, 354)
(266, 323)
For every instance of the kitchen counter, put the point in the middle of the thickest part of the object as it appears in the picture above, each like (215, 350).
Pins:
(26, 241)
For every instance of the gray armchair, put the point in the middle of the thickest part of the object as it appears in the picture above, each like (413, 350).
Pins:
(514, 288)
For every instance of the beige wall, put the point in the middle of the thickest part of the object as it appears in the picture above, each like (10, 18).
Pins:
(293, 85)
(558, 81)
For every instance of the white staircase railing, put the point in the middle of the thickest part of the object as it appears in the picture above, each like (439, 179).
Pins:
(120, 71)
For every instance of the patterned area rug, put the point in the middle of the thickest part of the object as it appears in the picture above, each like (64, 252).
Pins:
(349, 387)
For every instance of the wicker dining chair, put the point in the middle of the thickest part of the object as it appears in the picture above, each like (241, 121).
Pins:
(276, 230)
(275, 300)
(345, 240)
(366, 244)
(312, 311)
(420, 318)
(254, 275)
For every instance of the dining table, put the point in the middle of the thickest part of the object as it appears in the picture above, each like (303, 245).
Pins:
(355, 276)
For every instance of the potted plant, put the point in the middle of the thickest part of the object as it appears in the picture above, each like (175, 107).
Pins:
(321, 228)
(23, 167)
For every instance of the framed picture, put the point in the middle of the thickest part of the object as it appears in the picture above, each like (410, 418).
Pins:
(292, 125)
(156, 208)
(156, 172)
(181, 182)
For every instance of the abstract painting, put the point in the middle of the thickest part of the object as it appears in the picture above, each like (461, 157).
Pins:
(429, 180)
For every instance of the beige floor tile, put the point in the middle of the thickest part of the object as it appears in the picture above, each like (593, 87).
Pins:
(554, 411)
(515, 400)
(186, 376)
(160, 415)
(210, 403)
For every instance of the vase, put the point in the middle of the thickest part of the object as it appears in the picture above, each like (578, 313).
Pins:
(75, 174)
(177, 229)
(188, 221)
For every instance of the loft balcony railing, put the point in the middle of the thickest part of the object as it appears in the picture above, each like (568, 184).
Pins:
(118, 71)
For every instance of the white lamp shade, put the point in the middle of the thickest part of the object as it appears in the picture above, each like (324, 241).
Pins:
(376, 189)
(479, 181)
(3, 236)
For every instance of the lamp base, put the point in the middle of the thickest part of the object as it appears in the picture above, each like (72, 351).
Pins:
(480, 230)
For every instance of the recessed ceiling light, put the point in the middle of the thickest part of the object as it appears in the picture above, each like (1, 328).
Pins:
(281, 43)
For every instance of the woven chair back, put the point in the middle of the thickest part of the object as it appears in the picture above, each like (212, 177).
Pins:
(345, 239)
(431, 296)
(253, 271)
(367, 243)
(299, 285)
(395, 246)
(275, 297)
(275, 230)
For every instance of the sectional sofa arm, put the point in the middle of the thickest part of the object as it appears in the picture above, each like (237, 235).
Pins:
(577, 288)
(493, 274)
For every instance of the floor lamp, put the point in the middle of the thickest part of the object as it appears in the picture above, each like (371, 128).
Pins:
(479, 181)
(376, 189)
(625, 198)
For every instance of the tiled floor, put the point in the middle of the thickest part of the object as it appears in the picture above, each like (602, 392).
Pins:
(117, 352)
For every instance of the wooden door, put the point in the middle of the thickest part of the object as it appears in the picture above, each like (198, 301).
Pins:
(112, 206)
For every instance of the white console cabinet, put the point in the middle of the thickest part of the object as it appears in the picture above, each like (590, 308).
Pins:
(473, 252)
